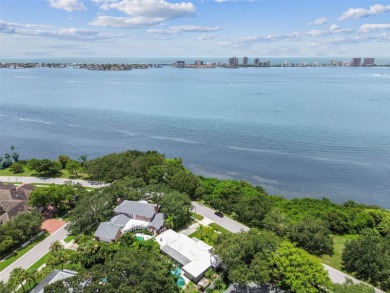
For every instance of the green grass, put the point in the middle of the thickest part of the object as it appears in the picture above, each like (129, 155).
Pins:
(220, 228)
(64, 174)
(69, 238)
(338, 244)
(209, 240)
(197, 216)
(22, 252)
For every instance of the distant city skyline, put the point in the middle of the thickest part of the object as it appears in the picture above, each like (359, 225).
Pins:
(70, 28)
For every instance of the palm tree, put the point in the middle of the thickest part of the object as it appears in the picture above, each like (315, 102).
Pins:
(51, 261)
(61, 258)
(19, 275)
(56, 247)
(169, 222)
(31, 276)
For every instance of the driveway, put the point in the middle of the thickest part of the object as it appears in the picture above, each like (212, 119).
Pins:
(34, 254)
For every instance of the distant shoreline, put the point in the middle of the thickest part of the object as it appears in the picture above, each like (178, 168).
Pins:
(128, 66)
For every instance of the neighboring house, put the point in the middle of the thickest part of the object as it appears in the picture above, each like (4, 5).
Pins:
(54, 276)
(195, 256)
(131, 216)
(139, 210)
(111, 231)
(13, 200)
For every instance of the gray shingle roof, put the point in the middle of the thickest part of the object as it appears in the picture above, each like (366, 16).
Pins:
(107, 230)
(158, 221)
(120, 220)
(54, 276)
(135, 208)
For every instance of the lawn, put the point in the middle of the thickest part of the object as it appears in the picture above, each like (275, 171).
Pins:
(209, 239)
(197, 216)
(64, 174)
(338, 243)
(219, 228)
(22, 251)
(69, 238)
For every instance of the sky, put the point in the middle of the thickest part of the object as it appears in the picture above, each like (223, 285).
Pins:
(116, 28)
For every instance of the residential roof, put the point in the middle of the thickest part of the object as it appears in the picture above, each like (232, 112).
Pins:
(195, 256)
(54, 276)
(120, 220)
(107, 230)
(158, 221)
(128, 207)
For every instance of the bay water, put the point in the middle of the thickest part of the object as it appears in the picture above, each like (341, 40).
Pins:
(314, 131)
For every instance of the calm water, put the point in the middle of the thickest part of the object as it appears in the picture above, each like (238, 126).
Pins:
(296, 131)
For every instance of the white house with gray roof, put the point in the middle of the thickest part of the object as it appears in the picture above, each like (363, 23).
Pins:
(130, 216)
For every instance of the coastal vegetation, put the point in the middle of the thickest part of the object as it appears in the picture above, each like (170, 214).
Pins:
(283, 246)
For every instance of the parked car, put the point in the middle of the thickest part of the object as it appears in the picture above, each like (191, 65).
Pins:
(219, 214)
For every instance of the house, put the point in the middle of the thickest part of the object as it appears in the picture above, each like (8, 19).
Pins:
(195, 256)
(13, 200)
(139, 210)
(111, 231)
(54, 276)
(131, 216)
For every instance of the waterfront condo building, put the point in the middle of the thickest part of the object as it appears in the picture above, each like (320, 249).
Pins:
(368, 61)
(198, 62)
(233, 61)
(256, 61)
(245, 61)
(356, 61)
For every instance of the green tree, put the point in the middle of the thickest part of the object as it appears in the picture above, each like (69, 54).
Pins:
(298, 271)
(19, 275)
(312, 235)
(186, 182)
(44, 167)
(17, 168)
(74, 168)
(90, 210)
(90, 253)
(248, 255)
(369, 258)
(63, 160)
(177, 206)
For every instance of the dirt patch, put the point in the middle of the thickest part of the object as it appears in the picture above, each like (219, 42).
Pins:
(52, 225)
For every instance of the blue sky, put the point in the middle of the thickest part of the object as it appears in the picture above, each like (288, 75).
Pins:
(49, 28)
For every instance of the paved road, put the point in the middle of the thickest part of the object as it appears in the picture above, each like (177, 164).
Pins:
(335, 275)
(338, 277)
(34, 254)
(225, 222)
(26, 179)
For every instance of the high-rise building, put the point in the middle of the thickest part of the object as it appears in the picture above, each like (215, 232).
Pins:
(356, 61)
(368, 61)
(245, 61)
(233, 61)
(256, 61)
(198, 62)
(180, 64)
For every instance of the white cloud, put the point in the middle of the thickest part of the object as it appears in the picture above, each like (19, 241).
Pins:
(366, 28)
(321, 20)
(334, 27)
(38, 31)
(361, 12)
(125, 21)
(67, 5)
(142, 12)
(174, 30)
(154, 8)
(206, 37)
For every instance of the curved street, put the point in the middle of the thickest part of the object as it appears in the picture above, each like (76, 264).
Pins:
(41, 249)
